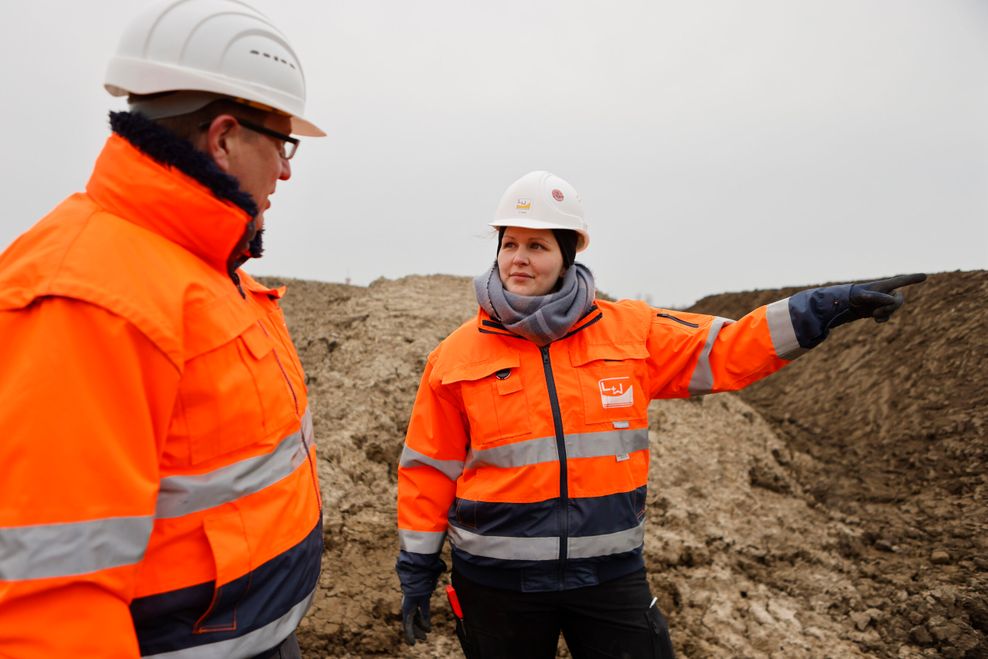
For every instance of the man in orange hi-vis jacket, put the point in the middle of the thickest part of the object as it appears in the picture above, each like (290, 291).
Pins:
(159, 492)
(528, 443)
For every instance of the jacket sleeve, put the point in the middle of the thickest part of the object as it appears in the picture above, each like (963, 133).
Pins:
(85, 400)
(432, 460)
(695, 354)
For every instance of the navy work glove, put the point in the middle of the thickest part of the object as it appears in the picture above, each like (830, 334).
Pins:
(879, 299)
(419, 574)
(415, 617)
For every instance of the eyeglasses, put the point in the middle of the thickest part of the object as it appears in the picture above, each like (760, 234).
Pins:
(288, 144)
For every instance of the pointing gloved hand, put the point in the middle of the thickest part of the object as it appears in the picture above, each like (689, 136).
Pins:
(879, 299)
(415, 617)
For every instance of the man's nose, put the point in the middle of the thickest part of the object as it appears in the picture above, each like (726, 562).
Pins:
(286, 170)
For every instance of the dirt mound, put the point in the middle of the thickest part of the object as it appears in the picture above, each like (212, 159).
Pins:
(837, 509)
(895, 418)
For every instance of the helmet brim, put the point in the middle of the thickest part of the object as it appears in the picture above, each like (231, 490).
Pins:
(532, 223)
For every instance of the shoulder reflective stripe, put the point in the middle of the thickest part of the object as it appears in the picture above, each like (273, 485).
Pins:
(61, 550)
(181, 495)
(607, 544)
(611, 442)
(781, 330)
(421, 542)
(505, 548)
(248, 645)
(451, 469)
(702, 380)
(527, 452)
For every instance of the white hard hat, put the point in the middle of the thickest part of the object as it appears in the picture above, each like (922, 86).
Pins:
(218, 46)
(542, 200)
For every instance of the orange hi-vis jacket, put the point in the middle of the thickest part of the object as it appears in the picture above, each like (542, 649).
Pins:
(534, 461)
(158, 492)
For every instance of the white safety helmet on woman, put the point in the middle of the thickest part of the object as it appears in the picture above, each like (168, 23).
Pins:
(208, 49)
(542, 200)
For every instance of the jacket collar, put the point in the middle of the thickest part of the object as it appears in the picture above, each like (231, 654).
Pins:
(150, 177)
(487, 325)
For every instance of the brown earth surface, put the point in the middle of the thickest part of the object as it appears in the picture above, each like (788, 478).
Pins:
(837, 509)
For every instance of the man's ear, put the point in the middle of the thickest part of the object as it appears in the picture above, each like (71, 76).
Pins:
(219, 138)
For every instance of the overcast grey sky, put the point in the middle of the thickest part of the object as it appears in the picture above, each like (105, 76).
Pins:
(717, 145)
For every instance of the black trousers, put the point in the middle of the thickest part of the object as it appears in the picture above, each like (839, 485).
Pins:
(616, 619)
(287, 649)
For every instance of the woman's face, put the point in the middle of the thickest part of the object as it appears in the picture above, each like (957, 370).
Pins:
(529, 261)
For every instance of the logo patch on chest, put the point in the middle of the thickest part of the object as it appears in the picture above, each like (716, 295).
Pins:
(616, 392)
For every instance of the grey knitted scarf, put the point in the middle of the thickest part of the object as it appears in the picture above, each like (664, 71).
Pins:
(539, 318)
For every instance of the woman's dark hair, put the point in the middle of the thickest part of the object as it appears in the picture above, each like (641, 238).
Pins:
(566, 238)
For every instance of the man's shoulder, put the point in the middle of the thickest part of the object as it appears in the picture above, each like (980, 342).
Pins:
(79, 251)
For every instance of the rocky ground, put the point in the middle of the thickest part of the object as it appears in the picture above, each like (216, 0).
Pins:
(837, 509)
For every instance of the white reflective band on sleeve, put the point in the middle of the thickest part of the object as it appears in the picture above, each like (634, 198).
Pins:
(250, 644)
(451, 469)
(702, 380)
(421, 542)
(589, 546)
(503, 547)
(781, 330)
(61, 550)
(182, 495)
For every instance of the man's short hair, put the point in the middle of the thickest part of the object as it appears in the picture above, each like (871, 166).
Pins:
(187, 124)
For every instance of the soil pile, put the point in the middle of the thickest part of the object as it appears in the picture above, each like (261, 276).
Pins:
(838, 508)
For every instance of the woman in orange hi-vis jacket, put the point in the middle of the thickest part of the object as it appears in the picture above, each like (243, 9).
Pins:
(528, 442)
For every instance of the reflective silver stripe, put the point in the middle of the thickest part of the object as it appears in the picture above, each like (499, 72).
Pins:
(248, 645)
(528, 452)
(182, 495)
(782, 332)
(702, 380)
(421, 542)
(308, 434)
(546, 549)
(589, 546)
(602, 444)
(62, 550)
(543, 449)
(451, 469)
(503, 547)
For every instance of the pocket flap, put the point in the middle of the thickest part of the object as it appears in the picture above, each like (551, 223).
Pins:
(587, 353)
(479, 370)
(257, 341)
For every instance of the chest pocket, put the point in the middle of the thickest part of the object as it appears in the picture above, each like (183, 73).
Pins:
(494, 399)
(612, 381)
(231, 397)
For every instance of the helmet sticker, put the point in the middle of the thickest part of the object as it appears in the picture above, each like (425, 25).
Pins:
(523, 205)
(557, 194)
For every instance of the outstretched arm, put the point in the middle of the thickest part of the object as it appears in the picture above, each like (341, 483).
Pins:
(695, 354)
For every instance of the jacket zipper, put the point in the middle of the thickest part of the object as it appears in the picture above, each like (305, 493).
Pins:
(288, 381)
(678, 320)
(557, 422)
